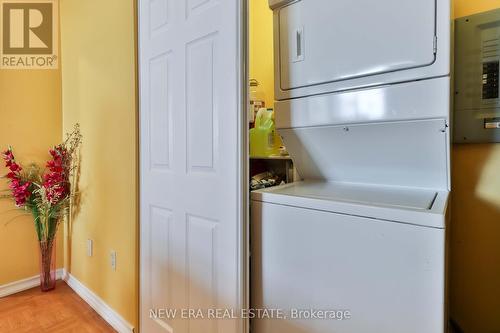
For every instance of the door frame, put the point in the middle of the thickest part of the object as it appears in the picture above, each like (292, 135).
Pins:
(242, 44)
(244, 149)
(244, 160)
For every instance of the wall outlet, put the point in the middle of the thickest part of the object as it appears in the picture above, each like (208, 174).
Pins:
(113, 260)
(90, 247)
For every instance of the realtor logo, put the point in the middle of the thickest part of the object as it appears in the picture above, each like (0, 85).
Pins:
(29, 34)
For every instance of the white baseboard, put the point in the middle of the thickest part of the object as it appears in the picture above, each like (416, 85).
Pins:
(25, 284)
(104, 310)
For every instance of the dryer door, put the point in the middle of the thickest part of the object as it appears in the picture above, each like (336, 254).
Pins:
(325, 41)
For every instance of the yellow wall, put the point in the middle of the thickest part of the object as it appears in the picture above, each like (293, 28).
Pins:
(475, 235)
(30, 121)
(99, 92)
(469, 7)
(261, 61)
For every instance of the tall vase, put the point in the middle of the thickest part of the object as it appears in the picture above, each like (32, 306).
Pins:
(48, 264)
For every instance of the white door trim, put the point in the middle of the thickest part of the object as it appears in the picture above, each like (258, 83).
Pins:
(244, 156)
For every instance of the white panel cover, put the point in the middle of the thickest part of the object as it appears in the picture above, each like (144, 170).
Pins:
(427, 99)
(411, 153)
(324, 41)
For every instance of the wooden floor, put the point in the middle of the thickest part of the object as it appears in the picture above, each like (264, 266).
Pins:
(60, 310)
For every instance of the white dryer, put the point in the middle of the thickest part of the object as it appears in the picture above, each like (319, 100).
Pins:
(363, 100)
(333, 45)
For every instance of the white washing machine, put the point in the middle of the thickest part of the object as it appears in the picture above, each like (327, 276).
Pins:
(377, 252)
(363, 100)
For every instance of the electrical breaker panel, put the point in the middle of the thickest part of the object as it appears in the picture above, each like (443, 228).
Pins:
(477, 58)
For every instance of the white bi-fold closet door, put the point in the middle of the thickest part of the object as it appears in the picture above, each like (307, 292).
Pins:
(191, 153)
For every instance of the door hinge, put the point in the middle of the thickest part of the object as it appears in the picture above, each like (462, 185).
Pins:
(435, 45)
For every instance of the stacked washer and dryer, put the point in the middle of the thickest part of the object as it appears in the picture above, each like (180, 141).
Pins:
(363, 106)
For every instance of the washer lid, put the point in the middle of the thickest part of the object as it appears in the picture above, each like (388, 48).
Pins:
(400, 204)
(363, 194)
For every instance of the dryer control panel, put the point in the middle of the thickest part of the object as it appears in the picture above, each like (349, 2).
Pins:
(477, 74)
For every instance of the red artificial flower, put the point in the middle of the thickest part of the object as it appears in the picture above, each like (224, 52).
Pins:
(14, 184)
(56, 182)
(7, 155)
(20, 191)
(14, 167)
(55, 165)
(53, 152)
(11, 175)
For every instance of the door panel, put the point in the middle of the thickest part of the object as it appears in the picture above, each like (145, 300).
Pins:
(191, 196)
(325, 41)
(201, 113)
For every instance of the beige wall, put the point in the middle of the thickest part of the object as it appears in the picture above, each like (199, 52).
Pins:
(475, 236)
(99, 92)
(30, 121)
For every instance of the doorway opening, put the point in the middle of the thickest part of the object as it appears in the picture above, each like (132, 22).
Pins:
(269, 162)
